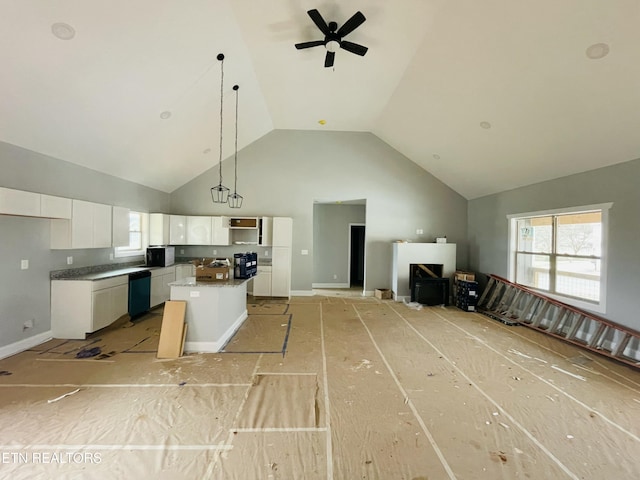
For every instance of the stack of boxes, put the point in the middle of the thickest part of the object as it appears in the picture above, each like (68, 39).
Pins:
(245, 265)
(465, 291)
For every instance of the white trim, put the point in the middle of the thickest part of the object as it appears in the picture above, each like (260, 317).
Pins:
(601, 306)
(214, 347)
(302, 293)
(329, 285)
(25, 344)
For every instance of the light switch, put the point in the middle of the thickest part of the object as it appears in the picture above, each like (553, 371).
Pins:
(304, 252)
(24, 264)
(419, 231)
(69, 260)
(194, 293)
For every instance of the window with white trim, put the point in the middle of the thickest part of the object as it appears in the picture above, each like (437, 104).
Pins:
(137, 242)
(562, 253)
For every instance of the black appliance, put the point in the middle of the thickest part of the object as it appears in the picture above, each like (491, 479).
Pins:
(161, 256)
(426, 288)
(245, 265)
(139, 293)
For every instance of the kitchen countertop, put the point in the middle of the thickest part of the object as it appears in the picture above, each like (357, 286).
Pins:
(100, 272)
(191, 282)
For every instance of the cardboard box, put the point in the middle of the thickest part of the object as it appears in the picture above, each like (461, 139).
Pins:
(383, 293)
(461, 275)
(211, 274)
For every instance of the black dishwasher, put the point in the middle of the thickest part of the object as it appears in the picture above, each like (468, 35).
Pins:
(139, 293)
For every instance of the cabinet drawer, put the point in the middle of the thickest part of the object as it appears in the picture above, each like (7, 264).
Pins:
(109, 282)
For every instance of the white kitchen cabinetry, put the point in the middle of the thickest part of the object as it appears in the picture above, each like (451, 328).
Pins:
(158, 229)
(281, 272)
(89, 227)
(79, 307)
(199, 230)
(18, 202)
(160, 289)
(177, 229)
(120, 224)
(265, 231)
(262, 282)
(282, 231)
(55, 207)
(220, 234)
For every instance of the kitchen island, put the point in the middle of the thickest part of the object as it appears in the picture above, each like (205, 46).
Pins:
(215, 310)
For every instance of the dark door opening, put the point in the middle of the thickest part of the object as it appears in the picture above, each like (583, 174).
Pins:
(356, 276)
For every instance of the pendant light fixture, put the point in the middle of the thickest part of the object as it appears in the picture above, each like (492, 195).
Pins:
(235, 200)
(220, 193)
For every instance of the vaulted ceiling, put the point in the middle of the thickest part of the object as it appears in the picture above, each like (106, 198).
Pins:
(485, 95)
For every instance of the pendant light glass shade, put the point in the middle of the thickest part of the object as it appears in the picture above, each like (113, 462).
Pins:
(235, 200)
(220, 193)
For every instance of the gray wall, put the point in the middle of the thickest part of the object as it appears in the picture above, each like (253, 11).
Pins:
(488, 227)
(286, 170)
(25, 294)
(331, 240)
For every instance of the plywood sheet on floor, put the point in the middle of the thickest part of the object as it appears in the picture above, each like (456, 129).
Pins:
(260, 334)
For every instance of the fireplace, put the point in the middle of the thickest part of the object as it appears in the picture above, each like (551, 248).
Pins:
(427, 285)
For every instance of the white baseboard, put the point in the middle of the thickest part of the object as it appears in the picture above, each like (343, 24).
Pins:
(302, 293)
(25, 344)
(329, 285)
(215, 347)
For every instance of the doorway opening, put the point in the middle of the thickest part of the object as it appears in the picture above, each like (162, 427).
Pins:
(356, 254)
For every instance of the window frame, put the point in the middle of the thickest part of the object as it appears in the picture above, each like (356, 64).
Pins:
(601, 305)
(121, 252)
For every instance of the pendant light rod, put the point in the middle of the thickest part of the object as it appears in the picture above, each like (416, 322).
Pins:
(220, 193)
(235, 200)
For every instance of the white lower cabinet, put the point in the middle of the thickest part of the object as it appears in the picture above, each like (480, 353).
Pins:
(79, 307)
(262, 282)
(160, 289)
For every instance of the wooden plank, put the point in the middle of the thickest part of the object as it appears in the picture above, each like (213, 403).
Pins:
(173, 330)
(422, 267)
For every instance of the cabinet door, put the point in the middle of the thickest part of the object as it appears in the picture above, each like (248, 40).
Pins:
(158, 229)
(282, 231)
(198, 230)
(281, 272)
(265, 231)
(262, 284)
(120, 225)
(82, 224)
(177, 229)
(166, 280)
(119, 301)
(101, 309)
(102, 226)
(18, 202)
(157, 291)
(55, 207)
(220, 234)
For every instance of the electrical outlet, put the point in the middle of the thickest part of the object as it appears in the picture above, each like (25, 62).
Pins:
(215, 252)
(419, 231)
(111, 256)
(69, 260)
(335, 277)
(182, 251)
(266, 253)
(24, 264)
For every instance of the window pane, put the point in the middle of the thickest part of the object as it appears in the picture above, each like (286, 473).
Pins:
(534, 234)
(533, 270)
(580, 234)
(134, 222)
(578, 277)
(135, 240)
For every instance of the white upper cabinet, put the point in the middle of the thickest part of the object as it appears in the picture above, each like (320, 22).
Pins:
(265, 231)
(282, 231)
(55, 207)
(120, 224)
(18, 202)
(158, 229)
(177, 229)
(220, 234)
(89, 227)
(199, 230)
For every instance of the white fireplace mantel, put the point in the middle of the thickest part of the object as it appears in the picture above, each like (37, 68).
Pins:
(405, 254)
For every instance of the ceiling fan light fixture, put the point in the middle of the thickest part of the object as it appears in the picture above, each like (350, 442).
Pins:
(332, 45)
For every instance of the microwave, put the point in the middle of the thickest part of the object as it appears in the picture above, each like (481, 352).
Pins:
(161, 256)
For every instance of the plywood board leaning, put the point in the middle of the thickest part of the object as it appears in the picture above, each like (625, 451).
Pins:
(172, 333)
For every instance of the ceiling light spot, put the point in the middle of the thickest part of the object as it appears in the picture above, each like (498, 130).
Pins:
(206, 150)
(436, 156)
(63, 31)
(597, 51)
(322, 122)
(165, 115)
(485, 125)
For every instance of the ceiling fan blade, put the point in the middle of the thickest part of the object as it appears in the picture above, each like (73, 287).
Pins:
(328, 60)
(353, 48)
(319, 21)
(314, 43)
(351, 24)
